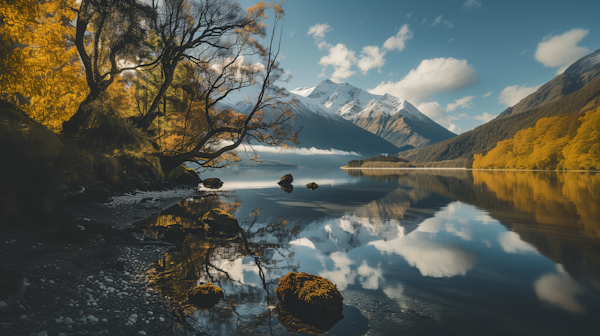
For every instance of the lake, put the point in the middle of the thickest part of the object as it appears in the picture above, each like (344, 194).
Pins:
(413, 252)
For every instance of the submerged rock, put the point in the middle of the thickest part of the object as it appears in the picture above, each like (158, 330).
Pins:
(312, 186)
(213, 183)
(219, 222)
(205, 296)
(286, 179)
(288, 188)
(310, 298)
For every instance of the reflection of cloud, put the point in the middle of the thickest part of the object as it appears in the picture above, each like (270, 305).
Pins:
(431, 258)
(368, 276)
(559, 290)
(341, 275)
(511, 243)
(485, 219)
(464, 232)
(396, 293)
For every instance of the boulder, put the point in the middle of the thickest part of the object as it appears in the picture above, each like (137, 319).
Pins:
(288, 188)
(174, 234)
(312, 186)
(286, 179)
(310, 298)
(212, 183)
(205, 296)
(219, 222)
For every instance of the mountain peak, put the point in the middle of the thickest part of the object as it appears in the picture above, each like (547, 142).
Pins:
(584, 64)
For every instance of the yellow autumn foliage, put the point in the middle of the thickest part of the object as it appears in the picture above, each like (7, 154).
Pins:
(570, 141)
(39, 67)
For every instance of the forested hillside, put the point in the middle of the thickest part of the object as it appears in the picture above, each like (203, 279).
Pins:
(570, 141)
(485, 137)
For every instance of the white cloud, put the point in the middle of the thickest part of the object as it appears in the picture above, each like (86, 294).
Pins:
(292, 33)
(561, 50)
(559, 290)
(485, 117)
(438, 114)
(472, 4)
(464, 102)
(341, 59)
(438, 20)
(371, 57)
(398, 41)
(281, 150)
(513, 94)
(430, 77)
(319, 30)
(511, 243)
(487, 94)
(454, 128)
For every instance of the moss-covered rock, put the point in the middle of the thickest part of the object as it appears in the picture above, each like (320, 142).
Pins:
(212, 183)
(205, 296)
(286, 179)
(220, 223)
(311, 298)
(312, 186)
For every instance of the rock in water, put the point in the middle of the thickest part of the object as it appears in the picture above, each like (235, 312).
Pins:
(205, 296)
(213, 183)
(312, 186)
(219, 222)
(311, 298)
(288, 188)
(286, 179)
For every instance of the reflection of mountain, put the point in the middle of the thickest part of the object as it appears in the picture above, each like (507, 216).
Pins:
(556, 212)
(391, 217)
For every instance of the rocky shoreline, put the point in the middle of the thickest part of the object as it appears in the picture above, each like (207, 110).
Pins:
(52, 287)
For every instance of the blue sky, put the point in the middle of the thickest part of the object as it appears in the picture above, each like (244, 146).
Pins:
(460, 62)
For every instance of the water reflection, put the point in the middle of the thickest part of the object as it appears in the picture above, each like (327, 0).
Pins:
(412, 251)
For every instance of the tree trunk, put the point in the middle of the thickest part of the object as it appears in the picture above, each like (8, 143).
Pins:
(81, 117)
(153, 111)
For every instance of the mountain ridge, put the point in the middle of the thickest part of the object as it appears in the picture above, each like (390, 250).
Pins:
(390, 117)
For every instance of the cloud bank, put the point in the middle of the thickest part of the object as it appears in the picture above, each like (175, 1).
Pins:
(513, 94)
(297, 151)
(430, 77)
(561, 50)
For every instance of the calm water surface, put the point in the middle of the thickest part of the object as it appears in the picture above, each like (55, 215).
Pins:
(414, 252)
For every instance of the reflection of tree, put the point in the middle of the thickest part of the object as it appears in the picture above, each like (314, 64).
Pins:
(217, 260)
(557, 212)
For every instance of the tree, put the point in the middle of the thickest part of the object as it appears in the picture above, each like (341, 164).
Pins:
(39, 67)
(214, 44)
(109, 36)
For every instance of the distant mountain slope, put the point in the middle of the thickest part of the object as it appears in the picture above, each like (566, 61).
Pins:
(485, 137)
(574, 78)
(392, 118)
(324, 130)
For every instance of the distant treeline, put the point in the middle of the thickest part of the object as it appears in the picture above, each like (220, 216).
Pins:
(569, 142)
(380, 158)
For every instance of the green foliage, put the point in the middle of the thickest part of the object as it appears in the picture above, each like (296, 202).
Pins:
(380, 158)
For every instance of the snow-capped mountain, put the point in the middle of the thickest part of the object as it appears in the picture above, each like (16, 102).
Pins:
(390, 117)
(323, 129)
